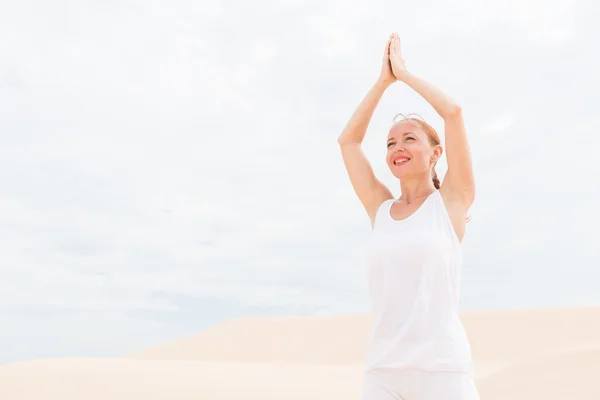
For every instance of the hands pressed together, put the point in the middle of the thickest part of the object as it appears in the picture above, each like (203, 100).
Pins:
(393, 67)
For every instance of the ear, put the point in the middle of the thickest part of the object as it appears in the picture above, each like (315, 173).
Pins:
(437, 153)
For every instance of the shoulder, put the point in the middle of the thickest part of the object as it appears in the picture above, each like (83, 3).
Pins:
(457, 209)
(456, 199)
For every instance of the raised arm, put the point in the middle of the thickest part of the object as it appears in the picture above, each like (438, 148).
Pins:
(370, 191)
(458, 183)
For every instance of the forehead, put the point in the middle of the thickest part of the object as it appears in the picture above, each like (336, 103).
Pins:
(402, 127)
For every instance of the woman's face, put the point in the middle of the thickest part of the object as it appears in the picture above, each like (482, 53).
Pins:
(409, 152)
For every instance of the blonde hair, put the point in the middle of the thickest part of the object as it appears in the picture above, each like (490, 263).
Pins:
(432, 135)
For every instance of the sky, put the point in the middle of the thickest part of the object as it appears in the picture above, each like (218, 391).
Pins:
(165, 166)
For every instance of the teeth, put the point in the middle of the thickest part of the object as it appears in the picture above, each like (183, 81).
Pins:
(400, 160)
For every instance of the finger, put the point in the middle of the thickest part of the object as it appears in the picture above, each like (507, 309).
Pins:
(399, 45)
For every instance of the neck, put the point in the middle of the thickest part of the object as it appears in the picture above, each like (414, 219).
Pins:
(415, 188)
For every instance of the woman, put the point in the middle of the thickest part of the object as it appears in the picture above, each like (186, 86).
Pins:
(418, 348)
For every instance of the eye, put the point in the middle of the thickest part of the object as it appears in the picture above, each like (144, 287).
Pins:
(389, 144)
(410, 137)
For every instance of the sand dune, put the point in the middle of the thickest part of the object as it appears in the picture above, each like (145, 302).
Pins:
(525, 354)
(330, 340)
(567, 376)
(516, 334)
(154, 379)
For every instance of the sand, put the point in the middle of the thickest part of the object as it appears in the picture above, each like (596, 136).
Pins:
(519, 354)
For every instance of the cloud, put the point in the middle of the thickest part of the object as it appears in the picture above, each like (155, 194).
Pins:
(498, 125)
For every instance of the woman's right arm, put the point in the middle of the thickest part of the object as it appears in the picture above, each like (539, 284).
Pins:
(370, 191)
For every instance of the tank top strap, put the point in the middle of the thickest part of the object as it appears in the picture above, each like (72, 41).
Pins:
(382, 215)
(443, 217)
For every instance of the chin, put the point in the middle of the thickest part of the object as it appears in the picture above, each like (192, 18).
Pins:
(400, 174)
(408, 173)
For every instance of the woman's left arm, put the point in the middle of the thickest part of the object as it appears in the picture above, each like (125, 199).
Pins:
(459, 180)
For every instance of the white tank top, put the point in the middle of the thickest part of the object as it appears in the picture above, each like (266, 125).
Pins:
(414, 272)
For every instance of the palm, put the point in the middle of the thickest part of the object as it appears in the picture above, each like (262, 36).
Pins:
(396, 60)
(386, 67)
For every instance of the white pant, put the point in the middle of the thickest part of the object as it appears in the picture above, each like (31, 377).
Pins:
(416, 384)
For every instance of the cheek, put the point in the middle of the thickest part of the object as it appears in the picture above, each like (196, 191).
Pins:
(421, 156)
(388, 156)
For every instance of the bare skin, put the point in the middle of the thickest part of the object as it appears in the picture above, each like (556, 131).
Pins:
(406, 139)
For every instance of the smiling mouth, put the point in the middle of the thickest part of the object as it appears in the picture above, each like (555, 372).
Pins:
(401, 161)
